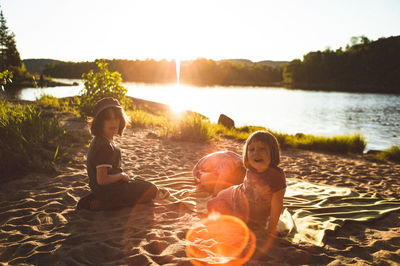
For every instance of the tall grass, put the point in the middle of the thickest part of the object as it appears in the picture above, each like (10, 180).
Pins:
(338, 144)
(141, 118)
(190, 127)
(28, 140)
(187, 127)
(70, 104)
(48, 101)
(393, 153)
(390, 154)
(240, 133)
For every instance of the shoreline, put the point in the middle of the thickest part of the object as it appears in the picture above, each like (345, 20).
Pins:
(36, 84)
(157, 108)
(312, 87)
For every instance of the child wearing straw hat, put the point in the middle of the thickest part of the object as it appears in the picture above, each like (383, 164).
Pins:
(111, 186)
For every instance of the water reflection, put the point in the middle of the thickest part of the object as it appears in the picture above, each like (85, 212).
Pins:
(376, 116)
(61, 91)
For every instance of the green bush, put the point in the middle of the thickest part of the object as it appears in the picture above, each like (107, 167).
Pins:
(99, 85)
(48, 101)
(28, 141)
(5, 77)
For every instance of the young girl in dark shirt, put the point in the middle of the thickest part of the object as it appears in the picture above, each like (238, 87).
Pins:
(110, 185)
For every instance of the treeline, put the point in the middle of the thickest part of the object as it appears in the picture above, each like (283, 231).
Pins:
(197, 72)
(10, 60)
(13, 73)
(209, 72)
(36, 66)
(365, 66)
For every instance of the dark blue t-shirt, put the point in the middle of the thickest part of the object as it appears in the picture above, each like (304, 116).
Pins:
(102, 152)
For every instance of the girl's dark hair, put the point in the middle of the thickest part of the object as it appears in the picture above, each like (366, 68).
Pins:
(98, 122)
(269, 140)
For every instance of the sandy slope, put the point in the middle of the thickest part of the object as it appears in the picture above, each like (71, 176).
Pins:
(40, 225)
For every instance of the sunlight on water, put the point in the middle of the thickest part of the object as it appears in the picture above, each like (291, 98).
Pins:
(59, 92)
(376, 116)
(175, 97)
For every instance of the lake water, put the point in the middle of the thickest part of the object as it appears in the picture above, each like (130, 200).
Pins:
(375, 116)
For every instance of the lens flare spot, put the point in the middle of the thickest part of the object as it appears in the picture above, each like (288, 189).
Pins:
(220, 240)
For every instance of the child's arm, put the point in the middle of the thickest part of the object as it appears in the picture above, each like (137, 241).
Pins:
(103, 178)
(276, 210)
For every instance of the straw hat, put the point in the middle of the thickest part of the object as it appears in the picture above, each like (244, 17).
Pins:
(106, 103)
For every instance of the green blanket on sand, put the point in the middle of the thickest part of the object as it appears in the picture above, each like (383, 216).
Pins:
(310, 209)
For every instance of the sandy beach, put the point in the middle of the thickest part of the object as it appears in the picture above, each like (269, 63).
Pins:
(40, 224)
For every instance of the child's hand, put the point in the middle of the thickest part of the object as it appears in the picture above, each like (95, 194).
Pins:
(125, 177)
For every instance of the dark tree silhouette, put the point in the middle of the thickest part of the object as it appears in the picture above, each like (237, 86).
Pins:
(9, 54)
(365, 66)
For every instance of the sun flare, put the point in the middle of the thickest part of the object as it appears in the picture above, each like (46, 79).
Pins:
(176, 99)
(176, 94)
(208, 244)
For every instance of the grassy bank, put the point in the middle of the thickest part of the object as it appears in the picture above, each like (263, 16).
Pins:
(194, 127)
(390, 154)
(30, 139)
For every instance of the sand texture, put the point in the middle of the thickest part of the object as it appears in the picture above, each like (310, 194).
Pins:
(41, 226)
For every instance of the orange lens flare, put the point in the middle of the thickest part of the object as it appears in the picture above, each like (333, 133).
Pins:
(220, 240)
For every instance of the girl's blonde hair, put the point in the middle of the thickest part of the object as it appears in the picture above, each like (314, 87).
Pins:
(269, 140)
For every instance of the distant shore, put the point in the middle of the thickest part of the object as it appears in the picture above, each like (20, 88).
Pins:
(30, 83)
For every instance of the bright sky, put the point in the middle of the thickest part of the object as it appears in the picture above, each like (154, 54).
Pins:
(80, 30)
